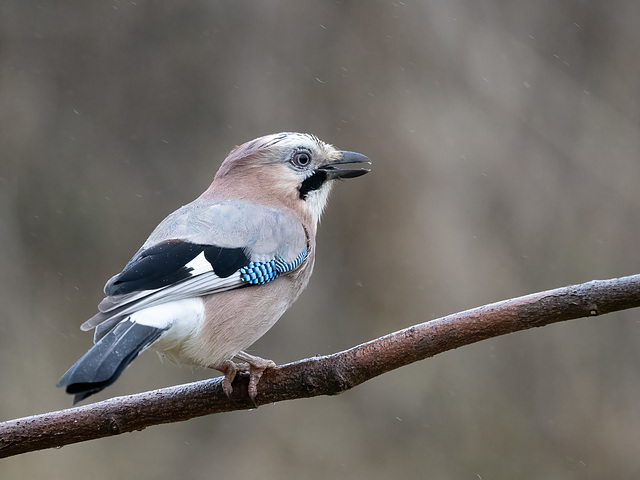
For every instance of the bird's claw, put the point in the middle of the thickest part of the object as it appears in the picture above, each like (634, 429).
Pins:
(255, 373)
(230, 370)
(255, 366)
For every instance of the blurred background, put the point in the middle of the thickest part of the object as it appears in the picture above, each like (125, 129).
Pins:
(506, 148)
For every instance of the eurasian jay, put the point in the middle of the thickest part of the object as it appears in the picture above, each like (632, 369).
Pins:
(216, 274)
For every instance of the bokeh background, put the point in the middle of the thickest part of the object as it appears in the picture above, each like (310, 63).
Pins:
(506, 148)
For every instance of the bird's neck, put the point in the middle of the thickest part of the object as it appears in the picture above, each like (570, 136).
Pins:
(262, 193)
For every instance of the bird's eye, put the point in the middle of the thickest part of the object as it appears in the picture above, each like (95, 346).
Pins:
(301, 159)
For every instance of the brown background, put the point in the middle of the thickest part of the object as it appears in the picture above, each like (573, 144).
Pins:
(505, 142)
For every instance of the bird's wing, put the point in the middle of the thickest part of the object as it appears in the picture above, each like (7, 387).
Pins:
(202, 248)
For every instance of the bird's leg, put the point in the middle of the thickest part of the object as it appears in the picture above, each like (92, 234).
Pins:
(252, 364)
(257, 366)
(230, 369)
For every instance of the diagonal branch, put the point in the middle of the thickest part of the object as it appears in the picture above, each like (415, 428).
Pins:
(321, 375)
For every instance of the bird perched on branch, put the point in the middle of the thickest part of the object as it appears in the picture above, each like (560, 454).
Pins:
(216, 274)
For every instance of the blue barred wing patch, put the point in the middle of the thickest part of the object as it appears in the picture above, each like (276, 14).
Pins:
(259, 273)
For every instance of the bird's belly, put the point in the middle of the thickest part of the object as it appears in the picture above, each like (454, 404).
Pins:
(233, 320)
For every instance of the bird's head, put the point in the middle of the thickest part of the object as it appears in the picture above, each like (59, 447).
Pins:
(294, 169)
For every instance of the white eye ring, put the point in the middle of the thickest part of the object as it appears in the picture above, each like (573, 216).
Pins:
(301, 159)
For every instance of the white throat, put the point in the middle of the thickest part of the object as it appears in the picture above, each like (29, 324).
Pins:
(316, 201)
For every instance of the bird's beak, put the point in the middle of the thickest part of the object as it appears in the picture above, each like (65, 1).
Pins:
(347, 157)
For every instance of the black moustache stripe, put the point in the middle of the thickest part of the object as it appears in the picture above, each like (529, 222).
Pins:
(314, 182)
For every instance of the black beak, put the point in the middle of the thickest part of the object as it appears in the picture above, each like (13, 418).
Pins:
(347, 157)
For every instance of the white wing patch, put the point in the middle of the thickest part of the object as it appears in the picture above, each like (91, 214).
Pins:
(199, 265)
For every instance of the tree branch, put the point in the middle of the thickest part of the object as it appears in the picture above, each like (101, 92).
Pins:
(321, 375)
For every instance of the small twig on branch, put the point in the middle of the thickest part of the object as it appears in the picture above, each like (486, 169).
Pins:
(321, 375)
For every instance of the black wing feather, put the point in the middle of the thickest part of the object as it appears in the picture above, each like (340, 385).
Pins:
(155, 267)
(165, 264)
(225, 261)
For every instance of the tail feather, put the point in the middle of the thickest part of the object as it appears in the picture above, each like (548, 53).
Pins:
(107, 359)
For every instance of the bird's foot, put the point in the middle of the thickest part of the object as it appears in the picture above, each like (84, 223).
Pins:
(230, 370)
(255, 366)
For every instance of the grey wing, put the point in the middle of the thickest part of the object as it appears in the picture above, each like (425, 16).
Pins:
(264, 231)
(203, 248)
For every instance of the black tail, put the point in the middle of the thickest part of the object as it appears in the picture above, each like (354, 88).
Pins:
(106, 360)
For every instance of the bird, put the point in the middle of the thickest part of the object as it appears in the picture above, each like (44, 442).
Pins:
(215, 275)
